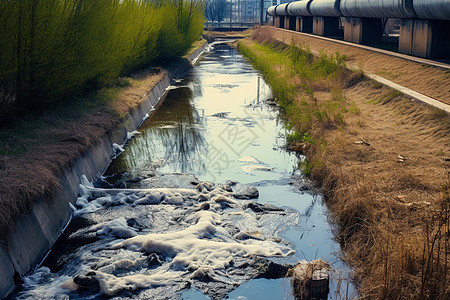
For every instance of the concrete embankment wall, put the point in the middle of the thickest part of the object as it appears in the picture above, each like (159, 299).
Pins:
(38, 229)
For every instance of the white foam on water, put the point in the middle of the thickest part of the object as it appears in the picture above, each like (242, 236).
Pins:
(249, 159)
(200, 248)
(146, 116)
(130, 135)
(253, 168)
(224, 199)
(115, 228)
(54, 290)
(111, 285)
(194, 233)
(172, 87)
(117, 150)
(150, 198)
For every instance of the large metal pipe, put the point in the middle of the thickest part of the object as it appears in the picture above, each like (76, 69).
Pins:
(271, 10)
(378, 8)
(299, 8)
(432, 9)
(404, 9)
(325, 8)
(281, 10)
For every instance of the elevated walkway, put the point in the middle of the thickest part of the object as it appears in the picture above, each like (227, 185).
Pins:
(229, 26)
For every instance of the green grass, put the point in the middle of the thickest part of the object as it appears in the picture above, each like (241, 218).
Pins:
(306, 167)
(293, 137)
(354, 110)
(296, 78)
(279, 63)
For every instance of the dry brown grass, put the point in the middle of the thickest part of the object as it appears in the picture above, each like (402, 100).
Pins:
(35, 152)
(196, 45)
(130, 98)
(385, 175)
(389, 208)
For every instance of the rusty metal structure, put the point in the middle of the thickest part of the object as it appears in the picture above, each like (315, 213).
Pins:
(424, 24)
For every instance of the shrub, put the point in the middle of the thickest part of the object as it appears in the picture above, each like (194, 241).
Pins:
(52, 49)
(182, 25)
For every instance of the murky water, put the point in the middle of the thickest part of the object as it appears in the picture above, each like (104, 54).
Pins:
(173, 236)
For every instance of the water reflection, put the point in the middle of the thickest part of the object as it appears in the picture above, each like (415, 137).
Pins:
(216, 125)
(174, 134)
(207, 122)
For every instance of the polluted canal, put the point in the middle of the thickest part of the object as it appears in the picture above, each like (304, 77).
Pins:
(207, 203)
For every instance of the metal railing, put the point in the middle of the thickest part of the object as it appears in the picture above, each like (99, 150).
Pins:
(235, 25)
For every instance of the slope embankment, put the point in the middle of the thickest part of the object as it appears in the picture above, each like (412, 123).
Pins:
(431, 81)
(381, 160)
(39, 185)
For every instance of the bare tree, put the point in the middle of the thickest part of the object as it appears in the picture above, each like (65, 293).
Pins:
(216, 10)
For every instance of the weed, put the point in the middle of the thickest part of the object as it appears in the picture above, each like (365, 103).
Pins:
(354, 110)
(309, 91)
(306, 167)
(376, 85)
(307, 138)
(293, 137)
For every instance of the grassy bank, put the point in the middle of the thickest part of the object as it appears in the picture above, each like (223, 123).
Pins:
(54, 50)
(38, 148)
(35, 151)
(380, 160)
(69, 71)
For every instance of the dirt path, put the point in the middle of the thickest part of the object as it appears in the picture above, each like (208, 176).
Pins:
(430, 81)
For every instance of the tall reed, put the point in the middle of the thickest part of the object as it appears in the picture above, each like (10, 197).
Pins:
(51, 49)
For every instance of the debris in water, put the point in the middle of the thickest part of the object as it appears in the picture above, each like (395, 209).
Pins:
(153, 242)
(298, 147)
(221, 115)
(310, 280)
